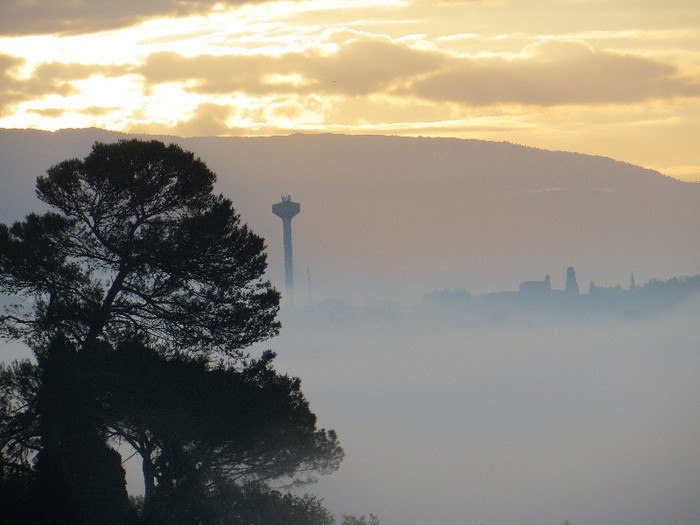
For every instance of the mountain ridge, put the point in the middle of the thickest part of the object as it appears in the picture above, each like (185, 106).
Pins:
(390, 216)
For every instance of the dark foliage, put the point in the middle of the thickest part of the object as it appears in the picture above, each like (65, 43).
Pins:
(194, 424)
(19, 424)
(255, 504)
(362, 520)
(200, 430)
(126, 293)
(249, 504)
(139, 244)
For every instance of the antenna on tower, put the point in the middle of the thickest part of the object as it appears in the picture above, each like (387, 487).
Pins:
(287, 210)
(308, 274)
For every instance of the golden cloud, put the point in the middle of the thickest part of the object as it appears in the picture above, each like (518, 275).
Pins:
(93, 111)
(556, 73)
(546, 74)
(11, 92)
(206, 119)
(359, 67)
(51, 78)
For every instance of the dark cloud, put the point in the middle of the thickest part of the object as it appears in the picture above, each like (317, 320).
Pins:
(21, 17)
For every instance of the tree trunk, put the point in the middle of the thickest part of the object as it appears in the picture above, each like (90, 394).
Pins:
(149, 479)
(79, 479)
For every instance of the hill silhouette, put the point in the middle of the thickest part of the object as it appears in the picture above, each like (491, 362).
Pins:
(395, 217)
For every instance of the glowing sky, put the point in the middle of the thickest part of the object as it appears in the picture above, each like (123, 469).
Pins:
(618, 78)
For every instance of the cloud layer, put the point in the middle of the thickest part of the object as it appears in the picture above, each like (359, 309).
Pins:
(233, 67)
(21, 17)
(553, 73)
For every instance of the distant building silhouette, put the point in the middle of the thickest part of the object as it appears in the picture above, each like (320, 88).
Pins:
(287, 210)
(536, 287)
(537, 298)
(571, 284)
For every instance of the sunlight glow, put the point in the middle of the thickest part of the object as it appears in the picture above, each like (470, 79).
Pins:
(293, 79)
(378, 66)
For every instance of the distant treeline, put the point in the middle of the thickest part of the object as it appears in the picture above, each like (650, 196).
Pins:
(674, 287)
(650, 299)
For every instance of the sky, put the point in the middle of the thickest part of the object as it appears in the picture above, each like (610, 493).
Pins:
(618, 78)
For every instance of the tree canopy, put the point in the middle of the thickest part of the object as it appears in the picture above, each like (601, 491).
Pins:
(138, 293)
(138, 244)
(243, 424)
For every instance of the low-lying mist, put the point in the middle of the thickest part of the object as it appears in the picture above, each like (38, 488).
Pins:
(465, 415)
(526, 420)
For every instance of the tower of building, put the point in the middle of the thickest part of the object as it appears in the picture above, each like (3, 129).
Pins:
(571, 284)
(287, 210)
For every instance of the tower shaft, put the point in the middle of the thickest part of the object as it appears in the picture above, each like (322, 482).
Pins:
(288, 259)
(287, 210)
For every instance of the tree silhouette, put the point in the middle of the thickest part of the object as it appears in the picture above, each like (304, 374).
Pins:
(19, 427)
(196, 426)
(139, 245)
(362, 520)
(201, 430)
(139, 254)
(19, 437)
(256, 504)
